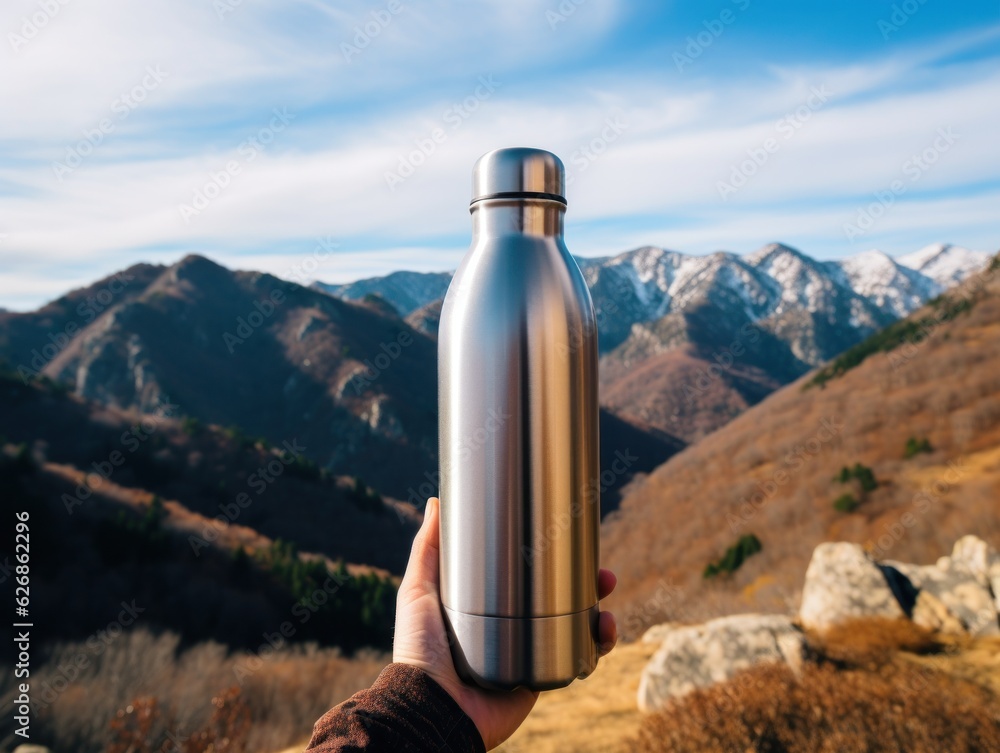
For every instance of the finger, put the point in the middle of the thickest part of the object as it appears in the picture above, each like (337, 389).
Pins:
(607, 631)
(424, 562)
(606, 582)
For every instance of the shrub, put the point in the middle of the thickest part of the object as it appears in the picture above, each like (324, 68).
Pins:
(915, 446)
(238, 436)
(285, 689)
(735, 556)
(366, 499)
(845, 503)
(864, 475)
(17, 465)
(767, 708)
(131, 538)
(360, 606)
(304, 468)
(141, 726)
(191, 426)
(871, 641)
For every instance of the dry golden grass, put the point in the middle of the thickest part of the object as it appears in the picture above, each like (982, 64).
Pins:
(867, 692)
(976, 660)
(870, 676)
(769, 709)
(284, 691)
(596, 714)
(871, 642)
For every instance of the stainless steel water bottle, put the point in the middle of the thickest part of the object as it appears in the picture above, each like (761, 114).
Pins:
(517, 391)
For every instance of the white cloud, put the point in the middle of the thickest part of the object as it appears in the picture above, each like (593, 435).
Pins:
(353, 122)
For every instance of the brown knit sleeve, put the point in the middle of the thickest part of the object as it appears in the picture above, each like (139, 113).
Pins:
(405, 711)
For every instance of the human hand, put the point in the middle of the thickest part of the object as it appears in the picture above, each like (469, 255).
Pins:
(421, 638)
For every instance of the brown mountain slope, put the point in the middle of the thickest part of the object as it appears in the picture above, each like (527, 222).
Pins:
(695, 370)
(773, 471)
(278, 360)
(351, 381)
(127, 548)
(29, 341)
(426, 318)
(686, 394)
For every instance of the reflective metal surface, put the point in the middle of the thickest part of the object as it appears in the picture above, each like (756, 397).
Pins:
(518, 170)
(520, 505)
(502, 653)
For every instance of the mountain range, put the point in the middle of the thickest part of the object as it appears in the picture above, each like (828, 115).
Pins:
(653, 281)
(350, 382)
(689, 342)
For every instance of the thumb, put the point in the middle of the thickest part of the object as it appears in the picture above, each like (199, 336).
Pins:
(423, 568)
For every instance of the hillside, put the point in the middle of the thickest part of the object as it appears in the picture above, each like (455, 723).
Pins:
(922, 417)
(207, 469)
(31, 339)
(128, 549)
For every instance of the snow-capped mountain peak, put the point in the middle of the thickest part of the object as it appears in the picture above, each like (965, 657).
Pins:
(776, 285)
(944, 263)
(773, 251)
(890, 286)
(917, 259)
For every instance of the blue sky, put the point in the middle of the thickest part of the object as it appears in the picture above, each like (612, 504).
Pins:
(246, 130)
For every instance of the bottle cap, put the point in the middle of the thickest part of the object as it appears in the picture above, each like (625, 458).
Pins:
(519, 173)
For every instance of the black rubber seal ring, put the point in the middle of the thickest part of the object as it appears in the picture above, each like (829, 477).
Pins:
(520, 195)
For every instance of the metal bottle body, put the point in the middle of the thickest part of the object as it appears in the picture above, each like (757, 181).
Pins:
(520, 505)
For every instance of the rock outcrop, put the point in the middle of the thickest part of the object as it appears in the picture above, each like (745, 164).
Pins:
(958, 594)
(843, 582)
(700, 655)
